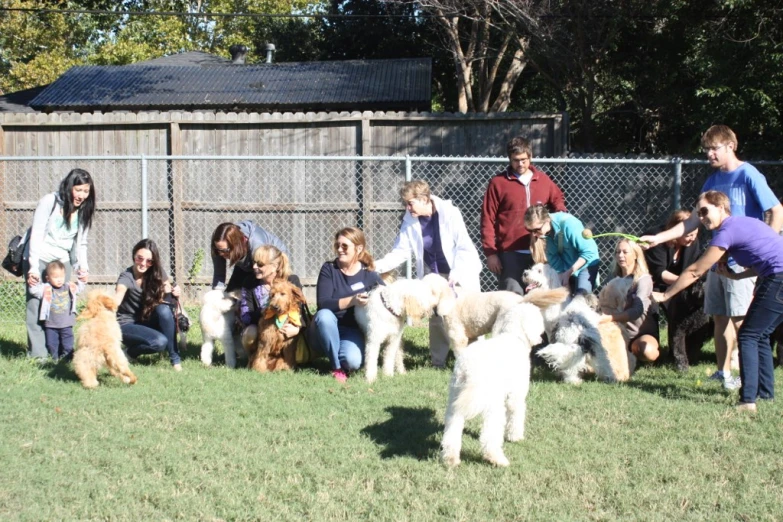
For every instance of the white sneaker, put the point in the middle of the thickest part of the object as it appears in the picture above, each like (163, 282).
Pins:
(732, 383)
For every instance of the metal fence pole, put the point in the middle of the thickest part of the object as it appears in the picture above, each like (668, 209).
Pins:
(144, 202)
(677, 182)
(408, 170)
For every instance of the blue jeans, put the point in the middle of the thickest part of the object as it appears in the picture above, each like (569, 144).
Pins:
(584, 282)
(756, 364)
(156, 335)
(344, 345)
(59, 342)
(36, 339)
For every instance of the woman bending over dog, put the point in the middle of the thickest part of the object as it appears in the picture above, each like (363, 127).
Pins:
(573, 257)
(640, 316)
(434, 232)
(146, 320)
(343, 284)
(754, 244)
(233, 245)
(269, 265)
(61, 223)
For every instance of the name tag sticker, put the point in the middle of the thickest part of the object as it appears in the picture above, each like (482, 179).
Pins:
(357, 286)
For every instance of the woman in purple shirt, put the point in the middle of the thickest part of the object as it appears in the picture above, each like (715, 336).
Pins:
(752, 244)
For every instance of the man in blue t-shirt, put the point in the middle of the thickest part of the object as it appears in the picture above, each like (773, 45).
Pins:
(725, 299)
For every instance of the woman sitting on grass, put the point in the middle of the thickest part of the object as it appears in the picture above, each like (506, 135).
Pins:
(146, 320)
(641, 312)
(343, 284)
(752, 243)
(269, 265)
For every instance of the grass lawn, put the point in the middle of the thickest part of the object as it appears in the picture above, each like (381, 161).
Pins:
(220, 444)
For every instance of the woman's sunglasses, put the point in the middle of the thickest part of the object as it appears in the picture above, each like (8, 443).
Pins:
(140, 259)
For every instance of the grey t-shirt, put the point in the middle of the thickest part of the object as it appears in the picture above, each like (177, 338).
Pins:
(130, 307)
(60, 315)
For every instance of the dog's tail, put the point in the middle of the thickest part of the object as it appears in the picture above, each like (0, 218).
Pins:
(560, 356)
(546, 298)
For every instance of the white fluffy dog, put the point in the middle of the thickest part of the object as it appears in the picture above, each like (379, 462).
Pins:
(491, 378)
(475, 313)
(388, 308)
(579, 344)
(217, 318)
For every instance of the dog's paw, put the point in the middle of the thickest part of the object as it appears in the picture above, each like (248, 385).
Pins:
(371, 376)
(450, 459)
(90, 385)
(515, 435)
(572, 379)
(497, 459)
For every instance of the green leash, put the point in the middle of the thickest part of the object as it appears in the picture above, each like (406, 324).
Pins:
(588, 234)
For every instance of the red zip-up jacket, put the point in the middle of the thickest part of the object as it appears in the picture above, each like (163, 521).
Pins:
(503, 211)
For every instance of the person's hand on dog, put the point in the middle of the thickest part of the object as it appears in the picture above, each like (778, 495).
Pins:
(605, 318)
(361, 299)
(565, 276)
(493, 263)
(289, 330)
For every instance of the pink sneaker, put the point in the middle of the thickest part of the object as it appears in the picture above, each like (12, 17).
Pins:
(340, 375)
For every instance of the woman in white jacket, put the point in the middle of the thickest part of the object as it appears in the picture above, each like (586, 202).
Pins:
(434, 232)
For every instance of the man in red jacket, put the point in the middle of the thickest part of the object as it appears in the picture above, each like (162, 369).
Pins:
(505, 239)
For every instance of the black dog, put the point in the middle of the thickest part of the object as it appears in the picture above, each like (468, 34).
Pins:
(688, 328)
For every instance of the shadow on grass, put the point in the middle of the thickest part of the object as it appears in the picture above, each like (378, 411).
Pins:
(700, 390)
(11, 349)
(61, 371)
(409, 432)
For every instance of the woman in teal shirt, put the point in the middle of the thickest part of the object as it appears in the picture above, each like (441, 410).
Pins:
(571, 255)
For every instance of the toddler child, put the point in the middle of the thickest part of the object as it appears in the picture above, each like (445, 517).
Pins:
(58, 309)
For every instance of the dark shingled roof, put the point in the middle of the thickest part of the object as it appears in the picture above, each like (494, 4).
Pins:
(402, 84)
(18, 101)
(199, 58)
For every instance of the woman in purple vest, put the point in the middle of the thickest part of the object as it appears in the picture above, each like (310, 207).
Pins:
(754, 245)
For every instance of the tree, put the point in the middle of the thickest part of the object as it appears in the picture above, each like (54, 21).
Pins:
(488, 44)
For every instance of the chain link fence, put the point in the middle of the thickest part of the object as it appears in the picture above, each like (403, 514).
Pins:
(178, 202)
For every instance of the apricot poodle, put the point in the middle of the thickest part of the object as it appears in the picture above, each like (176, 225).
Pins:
(98, 344)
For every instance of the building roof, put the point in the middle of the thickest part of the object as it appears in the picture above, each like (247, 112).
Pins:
(198, 58)
(18, 101)
(400, 84)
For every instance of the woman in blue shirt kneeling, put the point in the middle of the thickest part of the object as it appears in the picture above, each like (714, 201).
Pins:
(343, 284)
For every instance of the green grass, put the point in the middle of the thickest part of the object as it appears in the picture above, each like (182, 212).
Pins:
(220, 444)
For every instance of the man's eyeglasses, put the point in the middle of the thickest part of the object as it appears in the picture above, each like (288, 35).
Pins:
(141, 259)
(714, 148)
(703, 211)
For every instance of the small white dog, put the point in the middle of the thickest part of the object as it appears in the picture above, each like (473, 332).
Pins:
(217, 318)
(491, 378)
(388, 308)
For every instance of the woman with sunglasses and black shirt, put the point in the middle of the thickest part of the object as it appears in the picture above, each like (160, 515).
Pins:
(146, 320)
(233, 245)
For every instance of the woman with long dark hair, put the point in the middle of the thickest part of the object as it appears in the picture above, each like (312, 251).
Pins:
(233, 244)
(61, 223)
(146, 320)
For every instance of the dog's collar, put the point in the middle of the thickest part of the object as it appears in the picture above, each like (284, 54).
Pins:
(383, 300)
